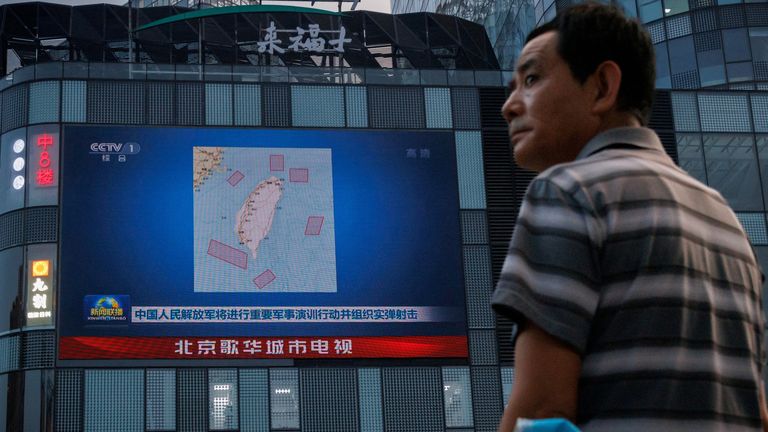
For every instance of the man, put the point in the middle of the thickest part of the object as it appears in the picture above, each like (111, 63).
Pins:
(636, 292)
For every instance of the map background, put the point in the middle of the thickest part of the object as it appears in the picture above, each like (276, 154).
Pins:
(127, 229)
(301, 263)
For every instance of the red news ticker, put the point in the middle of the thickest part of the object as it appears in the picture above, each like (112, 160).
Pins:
(108, 348)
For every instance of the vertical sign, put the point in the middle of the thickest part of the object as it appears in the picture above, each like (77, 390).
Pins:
(43, 165)
(41, 276)
(39, 294)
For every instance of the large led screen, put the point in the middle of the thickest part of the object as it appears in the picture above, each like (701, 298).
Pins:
(236, 244)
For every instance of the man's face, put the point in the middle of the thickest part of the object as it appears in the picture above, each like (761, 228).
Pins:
(548, 112)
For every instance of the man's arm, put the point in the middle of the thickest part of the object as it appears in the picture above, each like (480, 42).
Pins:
(763, 407)
(546, 378)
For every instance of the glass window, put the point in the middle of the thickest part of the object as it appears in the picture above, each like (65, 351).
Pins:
(11, 281)
(739, 71)
(3, 406)
(629, 7)
(663, 79)
(161, 399)
(762, 154)
(457, 397)
(15, 401)
(32, 399)
(691, 156)
(369, 391)
(222, 399)
(711, 67)
(735, 45)
(673, 7)
(758, 38)
(284, 398)
(650, 10)
(762, 258)
(507, 383)
(125, 407)
(681, 55)
(732, 169)
(727, 2)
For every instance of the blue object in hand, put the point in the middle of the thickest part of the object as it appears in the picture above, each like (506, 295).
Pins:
(545, 425)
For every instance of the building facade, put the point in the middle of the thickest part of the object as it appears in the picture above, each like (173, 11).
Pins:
(101, 129)
(711, 62)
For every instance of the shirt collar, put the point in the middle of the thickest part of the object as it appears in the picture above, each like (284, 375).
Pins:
(634, 136)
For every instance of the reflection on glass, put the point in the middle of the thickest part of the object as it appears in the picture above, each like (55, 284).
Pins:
(691, 156)
(681, 55)
(711, 68)
(663, 79)
(457, 397)
(11, 280)
(222, 402)
(739, 71)
(629, 7)
(161, 399)
(762, 153)
(673, 7)
(758, 37)
(650, 10)
(732, 169)
(735, 45)
(284, 398)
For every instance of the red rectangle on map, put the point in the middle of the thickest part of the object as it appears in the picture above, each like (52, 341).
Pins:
(314, 223)
(228, 254)
(235, 178)
(214, 348)
(299, 175)
(264, 279)
(276, 162)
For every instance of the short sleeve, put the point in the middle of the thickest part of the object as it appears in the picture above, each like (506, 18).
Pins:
(551, 274)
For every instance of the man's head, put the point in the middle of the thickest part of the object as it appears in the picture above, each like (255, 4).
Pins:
(588, 70)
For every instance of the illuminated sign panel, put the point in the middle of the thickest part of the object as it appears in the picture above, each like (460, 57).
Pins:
(236, 244)
(39, 292)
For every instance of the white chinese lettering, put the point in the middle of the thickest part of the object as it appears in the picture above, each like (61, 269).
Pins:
(275, 347)
(252, 346)
(39, 285)
(297, 40)
(229, 346)
(339, 43)
(206, 347)
(342, 346)
(183, 347)
(315, 42)
(39, 301)
(319, 346)
(271, 43)
(297, 347)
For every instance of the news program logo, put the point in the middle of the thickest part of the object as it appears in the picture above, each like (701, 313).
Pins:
(107, 307)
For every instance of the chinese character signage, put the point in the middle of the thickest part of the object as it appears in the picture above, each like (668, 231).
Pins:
(239, 244)
(312, 39)
(42, 165)
(39, 292)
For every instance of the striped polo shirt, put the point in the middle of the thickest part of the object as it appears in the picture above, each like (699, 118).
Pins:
(648, 275)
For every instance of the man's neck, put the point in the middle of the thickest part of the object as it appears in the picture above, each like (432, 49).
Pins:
(618, 119)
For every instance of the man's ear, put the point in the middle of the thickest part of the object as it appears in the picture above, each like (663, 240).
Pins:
(606, 81)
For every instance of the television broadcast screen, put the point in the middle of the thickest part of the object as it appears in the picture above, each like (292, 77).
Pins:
(235, 244)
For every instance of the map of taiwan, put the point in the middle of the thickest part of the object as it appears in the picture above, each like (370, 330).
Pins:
(263, 220)
(254, 219)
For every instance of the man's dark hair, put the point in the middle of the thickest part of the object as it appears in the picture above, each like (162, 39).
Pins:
(591, 33)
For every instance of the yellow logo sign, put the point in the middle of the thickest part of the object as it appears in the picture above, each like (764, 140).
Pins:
(40, 268)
